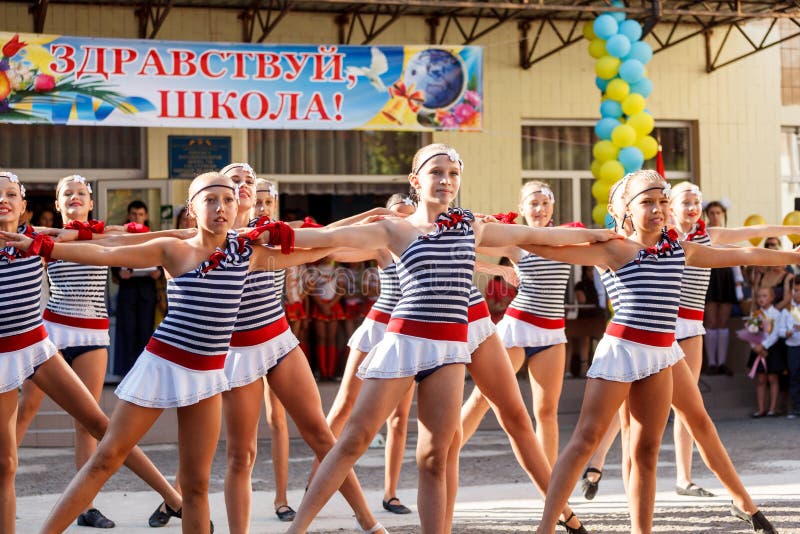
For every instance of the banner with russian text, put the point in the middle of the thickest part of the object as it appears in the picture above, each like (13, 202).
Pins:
(121, 82)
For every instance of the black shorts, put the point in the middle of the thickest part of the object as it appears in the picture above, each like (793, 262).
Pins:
(71, 353)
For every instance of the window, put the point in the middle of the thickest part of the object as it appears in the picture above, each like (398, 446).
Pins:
(44, 146)
(560, 153)
(790, 155)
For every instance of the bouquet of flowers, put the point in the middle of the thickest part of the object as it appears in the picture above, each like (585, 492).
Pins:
(756, 328)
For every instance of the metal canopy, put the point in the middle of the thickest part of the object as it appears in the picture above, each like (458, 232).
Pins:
(465, 21)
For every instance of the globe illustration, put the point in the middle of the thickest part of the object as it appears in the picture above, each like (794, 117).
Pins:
(438, 74)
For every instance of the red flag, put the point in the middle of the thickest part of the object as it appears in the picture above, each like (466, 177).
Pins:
(660, 162)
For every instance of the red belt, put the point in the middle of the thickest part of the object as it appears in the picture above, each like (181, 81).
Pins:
(378, 316)
(429, 330)
(688, 313)
(23, 340)
(185, 358)
(541, 322)
(477, 312)
(257, 336)
(77, 322)
(645, 337)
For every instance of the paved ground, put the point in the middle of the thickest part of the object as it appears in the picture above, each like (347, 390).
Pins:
(494, 496)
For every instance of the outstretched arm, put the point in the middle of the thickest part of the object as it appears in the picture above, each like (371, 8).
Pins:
(370, 236)
(270, 259)
(705, 256)
(150, 254)
(503, 235)
(359, 217)
(608, 254)
(726, 236)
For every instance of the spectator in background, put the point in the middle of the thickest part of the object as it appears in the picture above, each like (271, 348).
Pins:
(778, 278)
(136, 302)
(45, 218)
(592, 319)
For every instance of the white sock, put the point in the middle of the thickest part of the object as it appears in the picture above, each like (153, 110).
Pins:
(711, 346)
(722, 345)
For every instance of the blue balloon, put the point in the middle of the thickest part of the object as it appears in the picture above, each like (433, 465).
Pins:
(643, 87)
(609, 221)
(631, 70)
(618, 46)
(605, 26)
(641, 51)
(611, 109)
(631, 158)
(601, 83)
(619, 16)
(604, 127)
(631, 29)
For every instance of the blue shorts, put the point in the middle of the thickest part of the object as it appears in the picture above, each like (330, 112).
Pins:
(422, 375)
(71, 353)
(532, 351)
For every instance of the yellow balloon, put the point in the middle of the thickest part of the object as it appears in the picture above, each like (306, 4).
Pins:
(618, 89)
(595, 168)
(642, 122)
(754, 220)
(605, 151)
(597, 48)
(588, 30)
(648, 145)
(599, 213)
(607, 67)
(600, 190)
(793, 219)
(623, 135)
(611, 171)
(633, 104)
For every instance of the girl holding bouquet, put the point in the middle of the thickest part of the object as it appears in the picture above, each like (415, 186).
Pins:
(767, 359)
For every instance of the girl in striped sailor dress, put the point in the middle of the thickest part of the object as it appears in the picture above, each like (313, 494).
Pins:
(183, 364)
(30, 354)
(262, 345)
(426, 338)
(643, 275)
(532, 329)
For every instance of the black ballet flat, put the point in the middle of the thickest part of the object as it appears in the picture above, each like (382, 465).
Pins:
(572, 530)
(160, 517)
(757, 520)
(95, 519)
(590, 488)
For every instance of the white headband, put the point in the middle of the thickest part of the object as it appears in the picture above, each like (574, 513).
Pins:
(544, 190)
(244, 166)
(11, 177)
(695, 191)
(451, 154)
(76, 178)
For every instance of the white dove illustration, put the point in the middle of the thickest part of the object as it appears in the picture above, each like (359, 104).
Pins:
(377, 67)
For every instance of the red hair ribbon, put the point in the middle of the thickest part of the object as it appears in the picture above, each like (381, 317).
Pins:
(42, 246)
(699, 231)
(280, 233)
(506, 218)
(574, 224)
(136, 228)
(86, 228)
(414, 98)
(308, 222)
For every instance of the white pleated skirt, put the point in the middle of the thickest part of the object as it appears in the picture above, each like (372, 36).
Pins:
(154, 382)
(18, 365)
(244, 365)
(401, 355)
(368, 334)
(620, 360)
(514, 332)
(686, 328)
(478, 332)
(65, 336)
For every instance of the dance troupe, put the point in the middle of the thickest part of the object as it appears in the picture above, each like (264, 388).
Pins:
(226, 331)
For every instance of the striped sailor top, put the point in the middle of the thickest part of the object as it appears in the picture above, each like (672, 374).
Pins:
(21, 283)
(645, 294)
(77, 295)
(478, 309)
(435, 275)
(280, 283)
(203, 307)
(260, 316)
(541, 292)
(695, 279)
(389, 294)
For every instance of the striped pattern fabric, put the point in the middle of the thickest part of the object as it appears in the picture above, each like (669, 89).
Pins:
(261, 304)
(475, 297)
(390, 289)
(435, 273)
(280, 283)
(542, 286)
(645, 293)
(695, 280)
(21, 283)
(77, 290)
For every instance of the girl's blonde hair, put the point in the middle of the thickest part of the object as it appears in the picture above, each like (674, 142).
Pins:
(262, 184)
(71, 179)
(685, 187)
(645, 177)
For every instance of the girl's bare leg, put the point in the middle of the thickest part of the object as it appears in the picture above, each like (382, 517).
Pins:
(128, 424)
(688, 402)
(241, 408)
(598, 459)
(693, 349)
(56, 379)
(30, 400)
(279, 444)
(8, 467)
(396, 430)
(452, 479)
(198, 434)
(649, 401)
(624, 415)
(601, 400)
(293, 383)
(348, 391)
(546, 372)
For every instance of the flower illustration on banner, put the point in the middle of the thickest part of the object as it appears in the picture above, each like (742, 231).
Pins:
(463, 115)
(29, 91)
